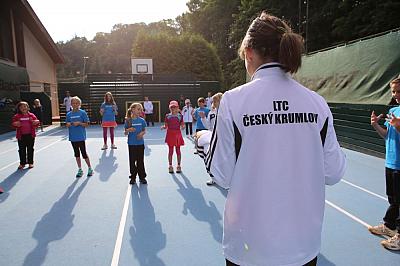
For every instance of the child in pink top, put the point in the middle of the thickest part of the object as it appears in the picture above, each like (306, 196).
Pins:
(174, 123)
(25, 122)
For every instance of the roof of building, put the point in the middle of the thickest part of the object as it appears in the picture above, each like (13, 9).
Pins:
(31, 20)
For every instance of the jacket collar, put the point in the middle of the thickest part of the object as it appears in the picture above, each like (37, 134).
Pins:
(272, 67)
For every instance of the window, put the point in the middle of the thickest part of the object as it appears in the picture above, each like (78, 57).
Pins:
(6, 43)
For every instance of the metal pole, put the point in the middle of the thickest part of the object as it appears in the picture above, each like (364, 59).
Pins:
(307, 27)
(299, 17)
(84, 67)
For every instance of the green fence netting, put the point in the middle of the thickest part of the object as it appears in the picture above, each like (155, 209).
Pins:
(356, 73)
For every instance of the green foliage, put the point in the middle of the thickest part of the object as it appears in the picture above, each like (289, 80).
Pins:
(73, 51)
(212, 19)
(328, 22)
(107, 52)
(187, 53)
(177, 47)
(362, 18)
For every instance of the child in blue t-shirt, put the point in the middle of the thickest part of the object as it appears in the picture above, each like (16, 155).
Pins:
(135, 128)
(76, 121)
(197, 114)
(108, 111)
(391, 134)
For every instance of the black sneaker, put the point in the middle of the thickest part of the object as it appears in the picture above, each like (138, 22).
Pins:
(210, 183)
(143, 181)
(132, 182)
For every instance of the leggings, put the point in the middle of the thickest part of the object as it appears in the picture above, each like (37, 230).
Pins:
(111, 134)
(171, 150)
(79, 145)
(189, 129)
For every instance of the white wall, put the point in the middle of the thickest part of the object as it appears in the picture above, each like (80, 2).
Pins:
(40, 67)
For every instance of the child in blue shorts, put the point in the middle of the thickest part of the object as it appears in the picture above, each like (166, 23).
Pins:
(77, 120)
(391, 134)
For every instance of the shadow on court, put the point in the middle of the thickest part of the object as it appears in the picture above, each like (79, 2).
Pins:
(55, 224)
(147, 150)
(10, 182)
(223, 191)
(106, 166)
(322, 261)
(147, 236)
(197, 206)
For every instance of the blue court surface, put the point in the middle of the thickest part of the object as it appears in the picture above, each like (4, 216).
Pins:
(48, 217)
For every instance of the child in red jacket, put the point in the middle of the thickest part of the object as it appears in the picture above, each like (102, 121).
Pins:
(25, 122)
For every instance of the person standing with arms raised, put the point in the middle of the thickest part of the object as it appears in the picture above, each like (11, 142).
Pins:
(275, 148)
(391, 134)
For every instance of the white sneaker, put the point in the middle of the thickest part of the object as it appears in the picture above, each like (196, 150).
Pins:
(392, 243)
(210, 182)
(382, 229)
(113, 146)
(104, 147)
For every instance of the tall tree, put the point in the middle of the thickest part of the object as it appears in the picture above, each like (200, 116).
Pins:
(73, 52)
(358, 18)
(108, 52)
(212, 20)
(187, 53)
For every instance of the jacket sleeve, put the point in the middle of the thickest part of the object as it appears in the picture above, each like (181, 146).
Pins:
(334, 157)
(34, 117)
(221, 157)
(14, 119)
(206, 121)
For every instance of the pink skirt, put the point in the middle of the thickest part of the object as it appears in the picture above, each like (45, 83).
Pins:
(174, 138)
(109, 124)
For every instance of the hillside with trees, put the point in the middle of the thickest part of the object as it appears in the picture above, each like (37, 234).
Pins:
(210, 33)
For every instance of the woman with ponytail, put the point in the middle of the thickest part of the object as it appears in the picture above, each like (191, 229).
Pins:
(275, 148)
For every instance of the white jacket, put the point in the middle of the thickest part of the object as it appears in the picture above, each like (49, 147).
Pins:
(209, 120)
(187, 114)
(148, 107)
(270, 149)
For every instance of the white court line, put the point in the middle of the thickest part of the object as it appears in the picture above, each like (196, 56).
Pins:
(118, 242)
(365, 190)
(51, 133)
(358, 220)
(45, 147)
(13, 149)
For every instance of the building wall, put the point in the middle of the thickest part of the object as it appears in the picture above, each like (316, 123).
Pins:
(41, 69)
